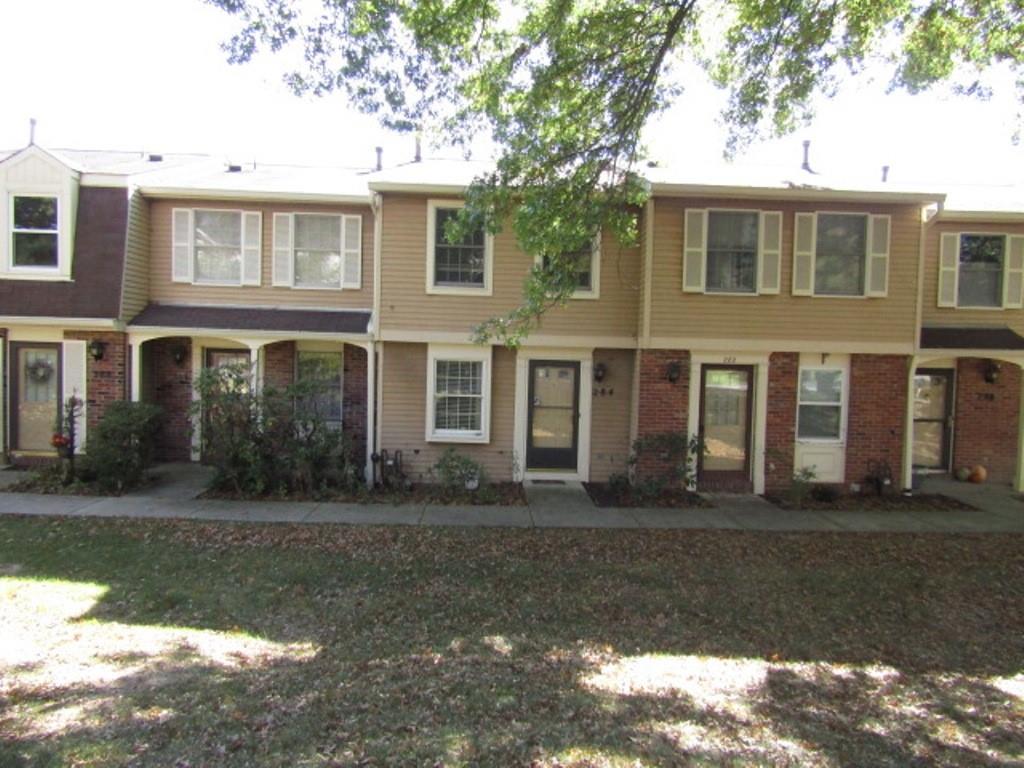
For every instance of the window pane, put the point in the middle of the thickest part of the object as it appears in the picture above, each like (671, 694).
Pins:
(459, 377)
(839, 267)
(317, 232)
(457, 263)
(317, 251)
(732, 251)
(458, 389)
(819, 421)
(35, 213)
(981, 271)
(35, 250)
(317, 269)
(323, 369)
(821, 386)
(457, 414)
(218, 240)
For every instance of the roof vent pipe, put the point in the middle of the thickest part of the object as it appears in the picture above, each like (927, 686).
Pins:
(807, 156)
(885, 173)
(234, 169)
(156, 158)
(419, 153)
(31, 131)
(380, 156)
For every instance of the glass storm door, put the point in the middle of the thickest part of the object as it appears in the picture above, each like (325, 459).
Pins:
(36, 395)
(725, 428)
(552, 435)
(933, 418)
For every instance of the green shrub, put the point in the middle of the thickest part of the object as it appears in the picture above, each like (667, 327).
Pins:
(800, 486)
(454, 470)
(120, 448)
(664, 460)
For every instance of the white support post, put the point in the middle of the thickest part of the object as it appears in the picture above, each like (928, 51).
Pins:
(908, 428)
(258, 362)
(371, 408)
(136, 370)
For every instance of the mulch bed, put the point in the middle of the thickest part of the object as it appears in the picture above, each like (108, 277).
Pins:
(493, 494)
(921, 502)
(607, 495)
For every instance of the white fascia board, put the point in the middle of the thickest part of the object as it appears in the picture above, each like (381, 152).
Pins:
(192, 193)
(166, 330)
(1000, 217)
(422, 189)
(105, 180)
(793, 193)
(73, 322)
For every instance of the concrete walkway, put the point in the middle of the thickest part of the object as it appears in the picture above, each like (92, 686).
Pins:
(1002, 513)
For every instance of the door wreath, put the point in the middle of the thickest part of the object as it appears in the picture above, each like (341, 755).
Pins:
(40, 371)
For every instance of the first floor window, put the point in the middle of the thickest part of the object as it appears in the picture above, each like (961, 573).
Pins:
(317, 250)
(34, 231)
(458, 264)
(980, 282)
(458, 396)
(841, 254)
(732, 252)
(218, 246)
(322, 372)
(820, 404)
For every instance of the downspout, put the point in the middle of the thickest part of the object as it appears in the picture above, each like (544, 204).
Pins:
(908, 427)
(373, 367)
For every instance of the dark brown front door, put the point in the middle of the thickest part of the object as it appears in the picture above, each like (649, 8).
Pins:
(933, 417)
(552, 429)
(726, 397)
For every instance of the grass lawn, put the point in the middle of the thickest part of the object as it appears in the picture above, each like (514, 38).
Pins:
(187, 644)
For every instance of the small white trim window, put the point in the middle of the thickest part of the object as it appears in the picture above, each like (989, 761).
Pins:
(458, 268)
(458, 394)
(318, 251)
(981, 270)
(213, 246)
(838, 254)
(588, 270)
(731, 252)
(35, 233)
(821, 403)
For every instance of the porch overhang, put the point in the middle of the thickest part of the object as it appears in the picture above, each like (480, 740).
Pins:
(252, 322)
(971, 339)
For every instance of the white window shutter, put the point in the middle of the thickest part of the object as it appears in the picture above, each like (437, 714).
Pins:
(804, 248)
(695, 239)
(1013, 273)
(769, 252)
(949, 267)
(73, 378)
(352, 247)
(283, 239)
(252, 253)
(181, 245)
(879, 233)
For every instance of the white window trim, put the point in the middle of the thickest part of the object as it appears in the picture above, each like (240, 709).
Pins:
(594, 291)
(757, 252)
(459, 353)
(1006, 252)
(57, 270)
(459, 290)
(320, 350)
(865, 260)
(342, 285)
(241, 247)
(844, 400)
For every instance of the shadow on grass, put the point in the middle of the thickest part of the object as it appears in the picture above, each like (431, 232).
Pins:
(503, 648)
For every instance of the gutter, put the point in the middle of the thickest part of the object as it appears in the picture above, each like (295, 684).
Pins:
(793, 193)
(192, 193)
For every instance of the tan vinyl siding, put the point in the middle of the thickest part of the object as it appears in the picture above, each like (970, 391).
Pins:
(609, 431)
(135, 291)
(404, 412)
(679, 315)
(931, 312)
(163, 290)
(406, 306)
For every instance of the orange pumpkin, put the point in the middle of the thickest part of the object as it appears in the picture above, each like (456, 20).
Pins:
(978, 474)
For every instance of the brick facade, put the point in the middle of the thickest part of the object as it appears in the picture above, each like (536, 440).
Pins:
(986, 418)
(354, 398)
(876, 416)
(780, 420)
(168, 383)
(106, 379)
(279, 364)
(663, 404)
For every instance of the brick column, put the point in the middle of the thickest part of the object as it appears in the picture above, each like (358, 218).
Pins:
(106, 379)
(876, 418)
(780, 427)
(279, 364)
(354, 399)
(987, 415)
(664, 405)
(169, 385)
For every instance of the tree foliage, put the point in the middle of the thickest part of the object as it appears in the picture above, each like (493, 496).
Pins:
(565, 87)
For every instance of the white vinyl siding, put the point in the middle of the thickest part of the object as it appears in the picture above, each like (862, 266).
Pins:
(216, 247)
(458, 394)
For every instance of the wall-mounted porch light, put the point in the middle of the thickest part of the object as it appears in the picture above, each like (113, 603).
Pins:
(600, 372)
(992, 369)
(97, 348)
(178, 353)
(673, 371)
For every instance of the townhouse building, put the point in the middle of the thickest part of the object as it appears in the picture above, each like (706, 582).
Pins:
(791, 322)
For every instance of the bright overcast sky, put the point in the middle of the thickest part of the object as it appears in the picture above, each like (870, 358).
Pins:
(150, 75)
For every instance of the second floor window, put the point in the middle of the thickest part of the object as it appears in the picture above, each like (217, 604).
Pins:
(35, 232)
(587, 264)
(980, 281)
(459, 267)
(841, 254)
(731, 252)
(215, 246)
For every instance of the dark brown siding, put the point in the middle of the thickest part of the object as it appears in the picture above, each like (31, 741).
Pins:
(97, 268)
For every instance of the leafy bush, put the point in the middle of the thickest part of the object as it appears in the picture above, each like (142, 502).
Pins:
(800, 486)
(120, 448)
(664, 460)
(454, 470)
(276, 441)
(826, 494)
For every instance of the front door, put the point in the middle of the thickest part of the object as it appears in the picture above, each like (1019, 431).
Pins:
(933, 417)
(725, 412)
(552, 430)
(35, 395)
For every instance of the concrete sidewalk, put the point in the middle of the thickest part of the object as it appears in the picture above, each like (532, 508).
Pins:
(748, 513)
